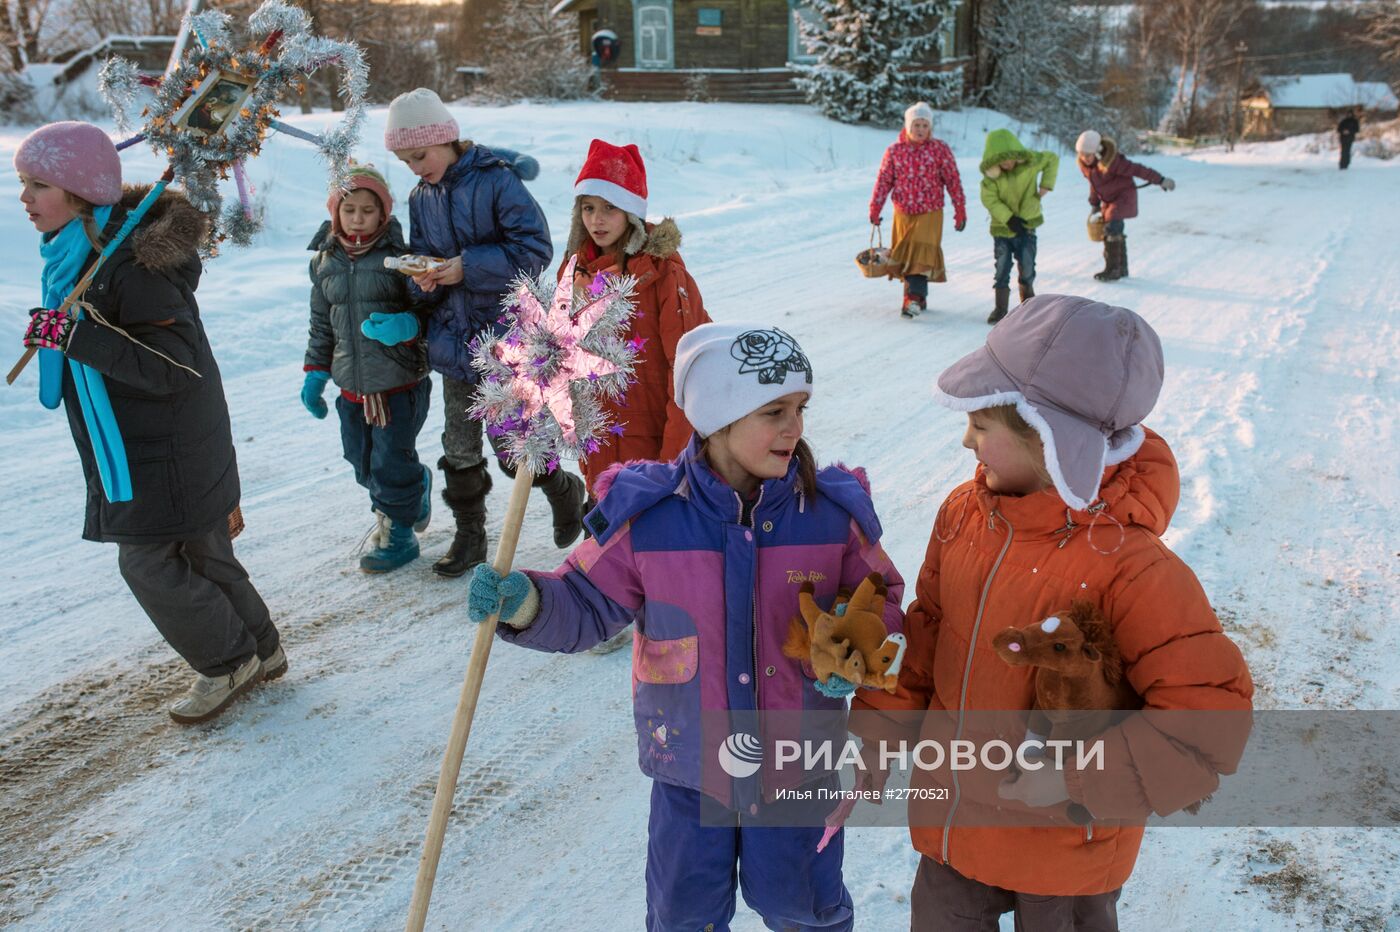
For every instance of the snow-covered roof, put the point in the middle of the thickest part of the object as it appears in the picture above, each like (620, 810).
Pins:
(1308, 91)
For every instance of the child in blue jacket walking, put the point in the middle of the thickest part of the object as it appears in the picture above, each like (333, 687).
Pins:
(471, 208)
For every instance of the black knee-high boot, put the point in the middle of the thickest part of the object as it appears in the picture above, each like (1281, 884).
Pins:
(465, 493)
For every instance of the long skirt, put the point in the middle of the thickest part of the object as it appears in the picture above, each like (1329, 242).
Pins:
(918, 246)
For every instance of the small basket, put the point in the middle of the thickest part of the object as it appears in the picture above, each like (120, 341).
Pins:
(1095, 224)
(874, 261)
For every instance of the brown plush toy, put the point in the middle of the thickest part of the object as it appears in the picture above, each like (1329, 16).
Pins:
(851, 640)
(1079, 676)
(1079, 686)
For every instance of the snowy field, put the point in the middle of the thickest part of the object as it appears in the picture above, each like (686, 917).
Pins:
(1267, 273)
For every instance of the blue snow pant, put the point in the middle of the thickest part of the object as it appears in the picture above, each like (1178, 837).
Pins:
(385, 459)
(1020, 247)
(691, 870)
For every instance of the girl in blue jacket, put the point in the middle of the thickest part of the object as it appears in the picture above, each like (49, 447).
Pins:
(471, 208)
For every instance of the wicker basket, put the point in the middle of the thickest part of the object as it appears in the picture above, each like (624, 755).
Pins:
(1095, 224)
(874, 261)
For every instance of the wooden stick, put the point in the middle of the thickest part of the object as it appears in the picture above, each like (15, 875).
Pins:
(466, 709)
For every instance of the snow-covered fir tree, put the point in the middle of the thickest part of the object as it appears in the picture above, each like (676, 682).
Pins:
(1046, 70)
(868, 57)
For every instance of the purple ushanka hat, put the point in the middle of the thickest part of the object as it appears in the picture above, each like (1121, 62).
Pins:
(1082, 373)
(77, 157)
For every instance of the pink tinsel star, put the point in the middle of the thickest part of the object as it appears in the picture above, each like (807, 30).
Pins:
(575, 362)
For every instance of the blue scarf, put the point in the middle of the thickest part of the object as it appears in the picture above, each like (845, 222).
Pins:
(65, 256)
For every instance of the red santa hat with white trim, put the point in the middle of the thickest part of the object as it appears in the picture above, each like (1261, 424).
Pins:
(616, 174)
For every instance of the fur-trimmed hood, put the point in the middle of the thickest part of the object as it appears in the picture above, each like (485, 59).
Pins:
(171, 233)
(1108, 151)
(661, 240)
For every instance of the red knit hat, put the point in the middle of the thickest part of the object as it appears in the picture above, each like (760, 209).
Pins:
(616, 174)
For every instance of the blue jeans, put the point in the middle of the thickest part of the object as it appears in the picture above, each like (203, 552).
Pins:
(1020, 247)
(691, 874)
(385, 459)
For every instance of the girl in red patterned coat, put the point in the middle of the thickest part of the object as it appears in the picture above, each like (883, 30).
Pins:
(917, 170)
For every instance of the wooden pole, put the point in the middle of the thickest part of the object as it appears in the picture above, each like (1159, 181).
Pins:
(466, 709)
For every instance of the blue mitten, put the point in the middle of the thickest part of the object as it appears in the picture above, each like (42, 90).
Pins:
(390, 329)
(836, 687)
(312, 390)
(513, 597)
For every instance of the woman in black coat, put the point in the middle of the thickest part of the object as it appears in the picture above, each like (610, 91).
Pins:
(164, 488)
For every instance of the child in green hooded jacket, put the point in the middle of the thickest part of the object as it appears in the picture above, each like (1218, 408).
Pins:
(1014, 179)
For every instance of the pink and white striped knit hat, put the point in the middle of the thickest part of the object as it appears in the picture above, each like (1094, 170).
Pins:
(418, 118)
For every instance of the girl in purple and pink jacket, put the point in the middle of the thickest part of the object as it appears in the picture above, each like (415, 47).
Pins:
(706, 554)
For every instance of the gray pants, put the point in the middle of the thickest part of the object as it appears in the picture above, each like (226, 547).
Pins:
(946, 901)
(200, 599)
(461, 434)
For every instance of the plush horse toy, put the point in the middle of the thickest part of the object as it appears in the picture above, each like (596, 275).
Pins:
(850, 641)
(1079, 686)
(1079, 675)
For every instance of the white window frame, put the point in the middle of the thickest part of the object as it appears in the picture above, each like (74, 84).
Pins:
(639, 7)
(797, 51)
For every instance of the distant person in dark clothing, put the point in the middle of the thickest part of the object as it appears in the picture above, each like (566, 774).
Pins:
(1346, 134)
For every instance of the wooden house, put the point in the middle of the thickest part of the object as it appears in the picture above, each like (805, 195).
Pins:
(1286, 105)
(736, 50)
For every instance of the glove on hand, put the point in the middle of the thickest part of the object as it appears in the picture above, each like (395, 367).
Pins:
(311, 391)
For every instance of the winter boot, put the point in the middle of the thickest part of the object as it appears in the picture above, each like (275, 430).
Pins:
(1122, 257)
(567, 499)
(1116, 259)
(274, 664)
(425, 504)
(1027, 291)
(399, 549)
(1003, 299)
(465, 494)
(210, 695)
(910, 308)
(1108, 264)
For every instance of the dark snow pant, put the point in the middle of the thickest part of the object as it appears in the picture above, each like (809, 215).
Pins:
(916, 286)
(691, 870)
(1021, 248)
(946, 901)
(1346, 152)
(1113, 228)
(461, 435)
(200, 599)
(385, 459)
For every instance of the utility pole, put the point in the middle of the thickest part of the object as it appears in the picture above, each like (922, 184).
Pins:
(1240, 49)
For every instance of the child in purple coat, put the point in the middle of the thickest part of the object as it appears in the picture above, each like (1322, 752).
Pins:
(707, 554)
(1113, 195)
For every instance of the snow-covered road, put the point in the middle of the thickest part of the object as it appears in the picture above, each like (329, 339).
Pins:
(1266, 273)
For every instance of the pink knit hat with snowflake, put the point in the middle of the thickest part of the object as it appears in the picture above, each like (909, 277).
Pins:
(419, 118)
(616, 174)
(1082, 373)
(77, 157)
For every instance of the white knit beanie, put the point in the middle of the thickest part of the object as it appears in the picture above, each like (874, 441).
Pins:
(1088, 143)
(919, 111)
(418, 118)
(725, 371)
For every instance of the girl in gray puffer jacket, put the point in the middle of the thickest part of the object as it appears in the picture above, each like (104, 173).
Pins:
(366, 335)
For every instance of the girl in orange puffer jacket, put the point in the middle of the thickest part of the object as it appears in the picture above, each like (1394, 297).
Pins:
(610, 236)
(1069, 502)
